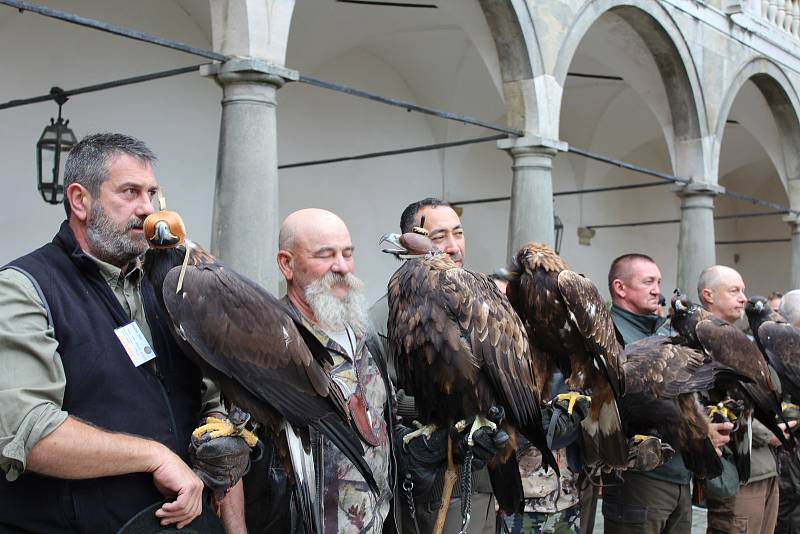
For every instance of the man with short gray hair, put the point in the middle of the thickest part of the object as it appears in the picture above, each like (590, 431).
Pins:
(90, 435)
(790, 307)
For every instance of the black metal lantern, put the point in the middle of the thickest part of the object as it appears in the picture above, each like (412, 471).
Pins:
(558, 226)
(56, 140)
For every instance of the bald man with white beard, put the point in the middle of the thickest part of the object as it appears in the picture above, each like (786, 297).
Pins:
(754, 508)
(316, 258)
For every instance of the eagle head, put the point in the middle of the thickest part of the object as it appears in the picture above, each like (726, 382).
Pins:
(756, 306)
(164, 229)
(685, 317)
(409, 245)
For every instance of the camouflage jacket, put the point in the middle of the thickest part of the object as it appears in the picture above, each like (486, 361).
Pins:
(348, 504)
(540, 487)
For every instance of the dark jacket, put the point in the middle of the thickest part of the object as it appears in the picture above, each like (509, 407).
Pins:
(160, 401)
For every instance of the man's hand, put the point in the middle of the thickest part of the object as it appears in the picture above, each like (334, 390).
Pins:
(719, 434)
(174, 478)
(774, 441)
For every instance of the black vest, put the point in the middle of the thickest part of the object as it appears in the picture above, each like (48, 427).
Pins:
(160, 402)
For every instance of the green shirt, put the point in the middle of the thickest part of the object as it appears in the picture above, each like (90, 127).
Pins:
(32, 379)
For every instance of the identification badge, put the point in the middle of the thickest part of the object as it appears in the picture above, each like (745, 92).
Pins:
(135, 344)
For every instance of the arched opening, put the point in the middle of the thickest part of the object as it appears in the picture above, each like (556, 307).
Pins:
(629, 94)
(757, 156)
(445, 58)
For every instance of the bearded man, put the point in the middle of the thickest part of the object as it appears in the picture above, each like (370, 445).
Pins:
(316, 259)
(90, 435)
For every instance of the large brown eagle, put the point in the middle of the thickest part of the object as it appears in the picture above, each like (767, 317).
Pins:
(728, 345)
(570, 328)
(263, 358)
(779, 342)
(662, 380)
(463, 350)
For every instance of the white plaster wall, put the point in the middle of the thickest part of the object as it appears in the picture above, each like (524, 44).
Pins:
(178, 117)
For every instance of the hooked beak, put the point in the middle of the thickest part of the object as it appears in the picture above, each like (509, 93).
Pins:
(393, 239)
(510, 272)
(163, 236)
(507, 274)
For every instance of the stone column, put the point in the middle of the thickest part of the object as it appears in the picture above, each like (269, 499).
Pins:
(794, 267)
(245, 221)
(531, 213)
(696, 243)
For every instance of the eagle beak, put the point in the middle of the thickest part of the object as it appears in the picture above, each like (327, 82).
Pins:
(396, 248)
(505, 273)
(163, 236)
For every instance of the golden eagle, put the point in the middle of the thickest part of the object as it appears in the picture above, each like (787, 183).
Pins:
(662, 380)
(263, 358)
(728, 345)
(779, 342)
(570, 328)
(463, 350)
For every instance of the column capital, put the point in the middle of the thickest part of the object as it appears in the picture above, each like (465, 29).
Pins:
(249, 70)
(698, 188)
(793, 220)
(532, 144)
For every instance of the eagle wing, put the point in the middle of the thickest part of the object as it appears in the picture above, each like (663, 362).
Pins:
(664, 369)
(781, 342)
(461, 319)
(260, 354)
(731, 347)
(591, 317)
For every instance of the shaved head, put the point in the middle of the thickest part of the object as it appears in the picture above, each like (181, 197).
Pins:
(308, 223)
(790, 307)
(721, 291)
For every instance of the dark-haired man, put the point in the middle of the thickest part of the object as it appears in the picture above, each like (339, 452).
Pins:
(90, 434)
(444, 229)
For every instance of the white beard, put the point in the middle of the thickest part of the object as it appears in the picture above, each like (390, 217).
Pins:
(334, 313)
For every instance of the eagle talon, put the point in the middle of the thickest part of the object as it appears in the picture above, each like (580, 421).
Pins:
(572, 397)
(215, 427)
(426, 431)
(477, 424)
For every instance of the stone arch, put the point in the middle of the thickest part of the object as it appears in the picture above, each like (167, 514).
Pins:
(528, 96)
(783, 102)
(683, 120)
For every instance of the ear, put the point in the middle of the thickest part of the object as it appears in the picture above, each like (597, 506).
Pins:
(707, 296)
(618, 287)
(286, 264)
(80, 201)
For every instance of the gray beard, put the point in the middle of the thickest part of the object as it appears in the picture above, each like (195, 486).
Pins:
(333, 313)
(109, 243)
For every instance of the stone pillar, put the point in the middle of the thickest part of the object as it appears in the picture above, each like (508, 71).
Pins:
(794, 267)
(245, 222)
(531, 213)
(696, 243)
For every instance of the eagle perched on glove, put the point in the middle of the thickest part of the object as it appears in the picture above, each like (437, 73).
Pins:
(464, 351)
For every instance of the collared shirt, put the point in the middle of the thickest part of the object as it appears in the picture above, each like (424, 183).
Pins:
(348, 504)
(32, 378)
